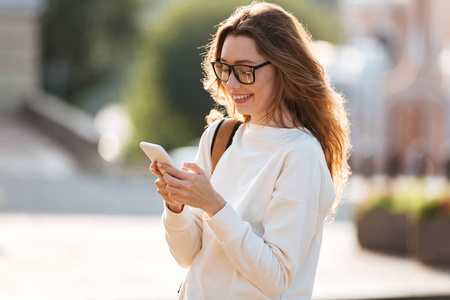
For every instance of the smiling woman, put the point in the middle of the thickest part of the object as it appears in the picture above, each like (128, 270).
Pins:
(250, 97)
(252, 229)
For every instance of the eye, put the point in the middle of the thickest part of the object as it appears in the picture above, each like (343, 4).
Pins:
(249, 76)
(243, 70)
(245, 74)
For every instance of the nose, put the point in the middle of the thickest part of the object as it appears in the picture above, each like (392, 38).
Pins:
(232, 81)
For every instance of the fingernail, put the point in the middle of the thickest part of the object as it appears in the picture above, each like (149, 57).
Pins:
(159, 165)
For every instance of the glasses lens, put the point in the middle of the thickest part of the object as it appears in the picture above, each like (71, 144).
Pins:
(244, 74)
(222, 71)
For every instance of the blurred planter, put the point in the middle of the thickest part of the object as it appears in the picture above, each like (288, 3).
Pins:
(430, 235)
(430, 241)
(409, 217)
(381, 230)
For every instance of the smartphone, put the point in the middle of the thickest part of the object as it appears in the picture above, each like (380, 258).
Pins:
(156, 153)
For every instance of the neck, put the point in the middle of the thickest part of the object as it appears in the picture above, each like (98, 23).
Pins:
(286, 120)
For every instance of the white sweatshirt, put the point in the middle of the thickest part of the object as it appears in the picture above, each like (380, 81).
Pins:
(265, 242)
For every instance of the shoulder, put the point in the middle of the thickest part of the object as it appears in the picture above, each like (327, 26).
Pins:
(208, 135)
(304, 146)
(203, 158)
(212, 127)
(210, 130)
(229, 124)
(214, 124)
(303, 154)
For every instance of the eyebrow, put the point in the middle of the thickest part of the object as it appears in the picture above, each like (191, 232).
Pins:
(241, 61)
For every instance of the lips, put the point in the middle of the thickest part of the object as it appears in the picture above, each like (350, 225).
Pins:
(241, 98)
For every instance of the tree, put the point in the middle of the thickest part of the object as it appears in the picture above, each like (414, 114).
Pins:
(86, 44)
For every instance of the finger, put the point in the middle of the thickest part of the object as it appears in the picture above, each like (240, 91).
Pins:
(154, 169)
(172, 180)
(176, 198)
(170, 201)
(161, 189)
(193, 167)
(160, 183)
(173, 171)
(175, 190)
(163, 193)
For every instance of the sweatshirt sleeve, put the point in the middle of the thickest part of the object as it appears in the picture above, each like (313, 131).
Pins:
(270, 261)
(183, 231)
(183, 234)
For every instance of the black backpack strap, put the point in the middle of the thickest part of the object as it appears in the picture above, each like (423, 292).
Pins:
(215, 135)
(223, 137)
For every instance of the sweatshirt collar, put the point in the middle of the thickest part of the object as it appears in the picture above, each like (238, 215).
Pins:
(265, 130)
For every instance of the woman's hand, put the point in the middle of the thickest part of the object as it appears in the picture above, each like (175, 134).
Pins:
(161, 188)
(191, 186)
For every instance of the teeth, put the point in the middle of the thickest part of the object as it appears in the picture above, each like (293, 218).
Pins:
(241, 97)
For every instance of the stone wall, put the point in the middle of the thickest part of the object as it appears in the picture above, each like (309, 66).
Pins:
(19, 50)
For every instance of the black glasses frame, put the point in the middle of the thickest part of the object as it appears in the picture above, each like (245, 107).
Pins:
(231, 68)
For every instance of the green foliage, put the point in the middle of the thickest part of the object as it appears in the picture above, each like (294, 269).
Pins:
(434, 208)
(429, 209)
(410, 196)
(86, 45)
(165, 96)
(377, 200)
(385, 201)
(323, 24)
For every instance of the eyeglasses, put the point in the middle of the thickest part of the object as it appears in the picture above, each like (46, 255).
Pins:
(243, 73)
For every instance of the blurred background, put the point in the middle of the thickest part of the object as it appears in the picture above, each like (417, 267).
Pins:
(83, 82)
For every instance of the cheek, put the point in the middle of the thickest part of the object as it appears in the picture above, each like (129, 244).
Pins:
(268, 91)
(273, 89)
(223, 91)
(269, 85)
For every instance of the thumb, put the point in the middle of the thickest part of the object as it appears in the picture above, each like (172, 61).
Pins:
(193, 167)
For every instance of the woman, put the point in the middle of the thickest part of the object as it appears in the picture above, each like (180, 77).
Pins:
(253, 228)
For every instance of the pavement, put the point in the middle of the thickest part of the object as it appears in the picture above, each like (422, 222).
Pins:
(68, 234)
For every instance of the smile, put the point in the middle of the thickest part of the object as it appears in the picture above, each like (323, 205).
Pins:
(241, 98)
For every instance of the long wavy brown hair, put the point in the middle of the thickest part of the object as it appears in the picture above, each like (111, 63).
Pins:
(304, 88)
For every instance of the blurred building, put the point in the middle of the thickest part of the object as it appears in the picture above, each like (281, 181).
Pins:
(399, 87)
(19, 50)
(21, 97)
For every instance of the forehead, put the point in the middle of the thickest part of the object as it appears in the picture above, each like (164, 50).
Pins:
(238, 48)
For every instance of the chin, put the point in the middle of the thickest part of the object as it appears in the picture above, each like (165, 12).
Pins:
(243, 112)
